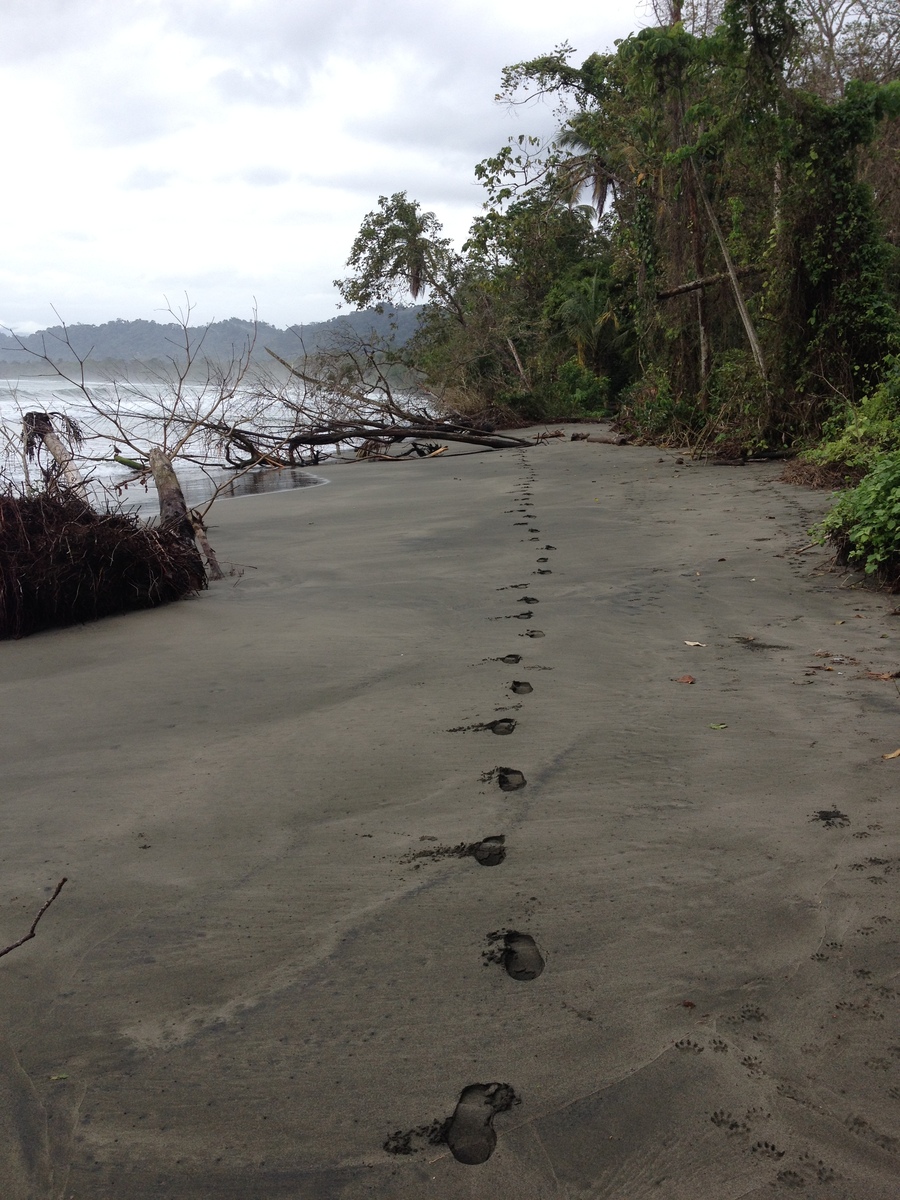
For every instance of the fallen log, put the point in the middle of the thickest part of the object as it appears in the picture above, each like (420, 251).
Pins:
(415, 426)
(611, 439)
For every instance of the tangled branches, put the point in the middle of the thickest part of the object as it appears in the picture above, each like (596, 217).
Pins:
(61, 563)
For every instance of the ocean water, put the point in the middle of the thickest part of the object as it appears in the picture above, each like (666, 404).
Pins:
(108, 484)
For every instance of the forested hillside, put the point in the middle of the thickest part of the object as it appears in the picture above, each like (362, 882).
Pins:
(134, 343)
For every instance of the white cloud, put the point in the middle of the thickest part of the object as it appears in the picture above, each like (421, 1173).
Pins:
(231, 147)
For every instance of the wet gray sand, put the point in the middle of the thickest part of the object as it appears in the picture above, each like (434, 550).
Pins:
(280, 969)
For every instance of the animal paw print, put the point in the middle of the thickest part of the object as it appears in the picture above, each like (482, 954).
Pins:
(751, 1012)
(831, 818)
(823, 1173)
(819, 957)
(766, 1150)
(862, 973)
(861, 834)
(877, 879)
(718, 1046)
(754, 1065)
(861, 1010)
(865, 931)
(729, 1123)
(834, 945)
(688, 1044)
(883, 920)
(790, 1179)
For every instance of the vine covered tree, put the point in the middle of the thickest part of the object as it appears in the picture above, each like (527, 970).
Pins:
(709, 245)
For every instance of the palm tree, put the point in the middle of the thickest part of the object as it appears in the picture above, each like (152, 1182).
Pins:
(398, 250)
(583, 312)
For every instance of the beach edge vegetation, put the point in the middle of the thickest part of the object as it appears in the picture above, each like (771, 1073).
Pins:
(708, 252)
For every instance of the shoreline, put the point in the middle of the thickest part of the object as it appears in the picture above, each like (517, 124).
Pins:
(268, 961)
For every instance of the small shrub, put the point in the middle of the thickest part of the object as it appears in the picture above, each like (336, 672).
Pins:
(580, 391)
(856, 436)
(650, 409)
(864, 525)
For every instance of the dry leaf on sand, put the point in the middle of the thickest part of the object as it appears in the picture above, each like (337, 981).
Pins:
(896, 754)
(695, 643)
(685, 679)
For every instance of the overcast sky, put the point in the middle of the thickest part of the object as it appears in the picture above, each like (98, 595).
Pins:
(229, 149)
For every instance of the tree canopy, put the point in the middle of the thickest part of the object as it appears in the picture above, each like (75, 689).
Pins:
(708, 245)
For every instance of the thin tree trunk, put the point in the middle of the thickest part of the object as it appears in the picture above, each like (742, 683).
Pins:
(697, 239)
(704, 341)
(749, 328)
(518, 362)
(213, 569)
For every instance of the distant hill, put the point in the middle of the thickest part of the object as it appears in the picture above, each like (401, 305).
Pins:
(150, 343)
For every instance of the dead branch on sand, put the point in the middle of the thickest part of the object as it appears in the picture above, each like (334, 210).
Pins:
(34, 924)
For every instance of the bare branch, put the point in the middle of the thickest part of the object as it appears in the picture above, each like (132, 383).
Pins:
(34, 924)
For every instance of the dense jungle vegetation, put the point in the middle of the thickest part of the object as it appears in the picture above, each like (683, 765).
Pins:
(708, 251)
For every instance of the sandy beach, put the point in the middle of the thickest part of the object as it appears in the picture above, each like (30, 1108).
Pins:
(285, 950)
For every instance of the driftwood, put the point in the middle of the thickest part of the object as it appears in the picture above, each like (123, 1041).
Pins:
(605, 439)
(212, 563)
(245, 447)
(34, 924)
(388, 422)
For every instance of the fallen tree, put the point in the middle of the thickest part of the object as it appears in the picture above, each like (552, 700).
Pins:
(162, 419)
(62, 563)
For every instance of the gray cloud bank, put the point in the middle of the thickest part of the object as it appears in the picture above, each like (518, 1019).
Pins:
(183, 113)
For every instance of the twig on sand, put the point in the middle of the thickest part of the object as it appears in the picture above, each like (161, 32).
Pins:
(30, 934)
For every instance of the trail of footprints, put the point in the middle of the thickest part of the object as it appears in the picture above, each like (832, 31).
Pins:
(469, 1131)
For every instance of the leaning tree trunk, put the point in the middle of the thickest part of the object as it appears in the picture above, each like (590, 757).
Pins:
(39, 426)
(173, 511)
(212, 563)
(746, 320)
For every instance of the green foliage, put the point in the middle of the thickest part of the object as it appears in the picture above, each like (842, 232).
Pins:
(651, 408)
(729, 216)
(580, 392)
(737, 405)
(398, 252)
(857, 435)
(865, 522)
(828, 262)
